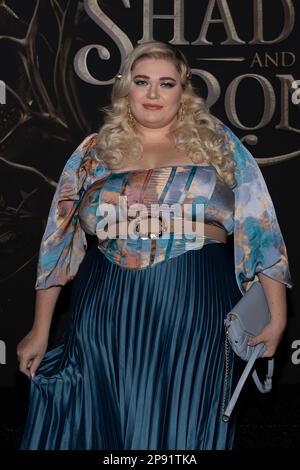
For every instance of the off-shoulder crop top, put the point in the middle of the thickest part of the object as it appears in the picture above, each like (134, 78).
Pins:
(246, 211)
(164, 187)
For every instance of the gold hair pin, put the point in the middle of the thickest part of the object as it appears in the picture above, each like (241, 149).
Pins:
(189, 74)
(119, 76)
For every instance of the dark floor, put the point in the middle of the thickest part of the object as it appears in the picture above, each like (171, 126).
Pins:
(266, 422)
(269, 421)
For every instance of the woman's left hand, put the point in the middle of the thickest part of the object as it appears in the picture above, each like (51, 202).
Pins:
(271, 336)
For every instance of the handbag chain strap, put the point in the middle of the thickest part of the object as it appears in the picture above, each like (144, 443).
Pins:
(263, 387)
(227, 348)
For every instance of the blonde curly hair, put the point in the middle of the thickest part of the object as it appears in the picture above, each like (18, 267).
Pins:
(198, 132)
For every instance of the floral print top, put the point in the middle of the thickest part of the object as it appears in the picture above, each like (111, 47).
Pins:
(246, 211)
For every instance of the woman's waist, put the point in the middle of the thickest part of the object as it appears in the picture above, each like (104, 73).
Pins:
(199, 229)
(172, 230)
(141, 253)
(146, 228)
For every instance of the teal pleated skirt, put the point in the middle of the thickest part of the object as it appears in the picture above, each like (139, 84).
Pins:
(141, 363)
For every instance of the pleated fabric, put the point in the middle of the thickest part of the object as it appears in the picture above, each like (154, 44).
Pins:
(141, 363)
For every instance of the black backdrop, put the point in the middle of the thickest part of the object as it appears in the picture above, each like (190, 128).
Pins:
(58, 62)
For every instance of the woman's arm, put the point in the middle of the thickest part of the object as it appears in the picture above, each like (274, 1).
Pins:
(259, 246)
(32, 348)
(271, 335)
(45, 302)
(62, 249)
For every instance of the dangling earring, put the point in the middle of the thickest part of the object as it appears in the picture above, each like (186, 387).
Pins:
(130, 117)
(181, 112)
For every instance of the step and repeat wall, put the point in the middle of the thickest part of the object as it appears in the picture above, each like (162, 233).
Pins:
(59, 60)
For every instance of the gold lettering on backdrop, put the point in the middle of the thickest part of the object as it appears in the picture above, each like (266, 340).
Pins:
(114, 32)
(286, 90)
(268, 105)
(289, 21)
(217, 12)
(277, 59)
(269, 109)
(212, 85)
(177, 17)
(226, 19)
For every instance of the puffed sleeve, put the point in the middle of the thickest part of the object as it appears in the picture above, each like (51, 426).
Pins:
(258, 242)
(63, 244)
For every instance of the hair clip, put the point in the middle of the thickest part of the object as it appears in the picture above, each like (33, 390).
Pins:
(189, 74)
(119, 76)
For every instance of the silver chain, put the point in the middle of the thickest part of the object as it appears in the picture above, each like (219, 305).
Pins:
(227, 350)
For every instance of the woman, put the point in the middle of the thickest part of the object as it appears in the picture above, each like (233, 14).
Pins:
(141, 363)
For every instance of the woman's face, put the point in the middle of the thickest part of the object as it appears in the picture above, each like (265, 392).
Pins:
(154, 82)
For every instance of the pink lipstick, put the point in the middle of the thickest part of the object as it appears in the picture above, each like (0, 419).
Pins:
(152, 106)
